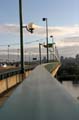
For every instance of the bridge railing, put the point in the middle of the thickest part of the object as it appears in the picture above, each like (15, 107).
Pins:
(11, 78)
(13, 72)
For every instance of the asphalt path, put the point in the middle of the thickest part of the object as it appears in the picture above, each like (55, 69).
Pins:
(40, 97)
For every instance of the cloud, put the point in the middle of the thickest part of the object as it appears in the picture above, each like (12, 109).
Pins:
(68, 42)
(68, 51)
(9, 28)
(40, 30)
(58, 30)
(67, 35)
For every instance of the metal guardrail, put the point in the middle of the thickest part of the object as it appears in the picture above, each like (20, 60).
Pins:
(10, 73)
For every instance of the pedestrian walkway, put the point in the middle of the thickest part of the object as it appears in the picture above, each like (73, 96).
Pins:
(40, 97)
(5, 96)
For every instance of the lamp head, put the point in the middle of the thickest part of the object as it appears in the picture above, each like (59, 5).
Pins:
(51, 36)
(30, 27)
(43, 19)
(8, 45)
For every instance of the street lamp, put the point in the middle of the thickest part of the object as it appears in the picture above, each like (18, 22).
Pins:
(40, 44)
(40, 52)
(21, 35)
(18, 55)
(29, 27)
(52, 38)
(53, 46)
(45, 19)
(25, 56)
(8, 53)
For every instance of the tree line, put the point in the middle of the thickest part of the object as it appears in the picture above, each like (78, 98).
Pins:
(69, 69)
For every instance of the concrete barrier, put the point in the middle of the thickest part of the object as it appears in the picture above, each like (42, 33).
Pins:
(52, 67)
(3, 86)
(12, 81)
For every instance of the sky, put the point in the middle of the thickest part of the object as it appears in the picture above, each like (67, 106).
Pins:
(62, 15)
(59, 12)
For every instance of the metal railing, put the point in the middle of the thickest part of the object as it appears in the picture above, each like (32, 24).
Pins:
(9, 73)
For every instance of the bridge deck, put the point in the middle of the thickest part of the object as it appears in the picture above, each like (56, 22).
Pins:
(40, 97)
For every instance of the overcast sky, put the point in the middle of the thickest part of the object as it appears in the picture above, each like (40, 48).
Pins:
(63, 20)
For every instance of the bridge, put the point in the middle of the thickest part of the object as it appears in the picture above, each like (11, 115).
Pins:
(10, 77)
(40, 97)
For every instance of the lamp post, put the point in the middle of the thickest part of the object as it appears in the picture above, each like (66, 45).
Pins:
(18, 55)
(53, 46)
(52, 38)
(45, 19)
(21, 36)
(40, 44)
(40, 52)
(25, 55)
(29, 28)
(8, 53)
(57, 54)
